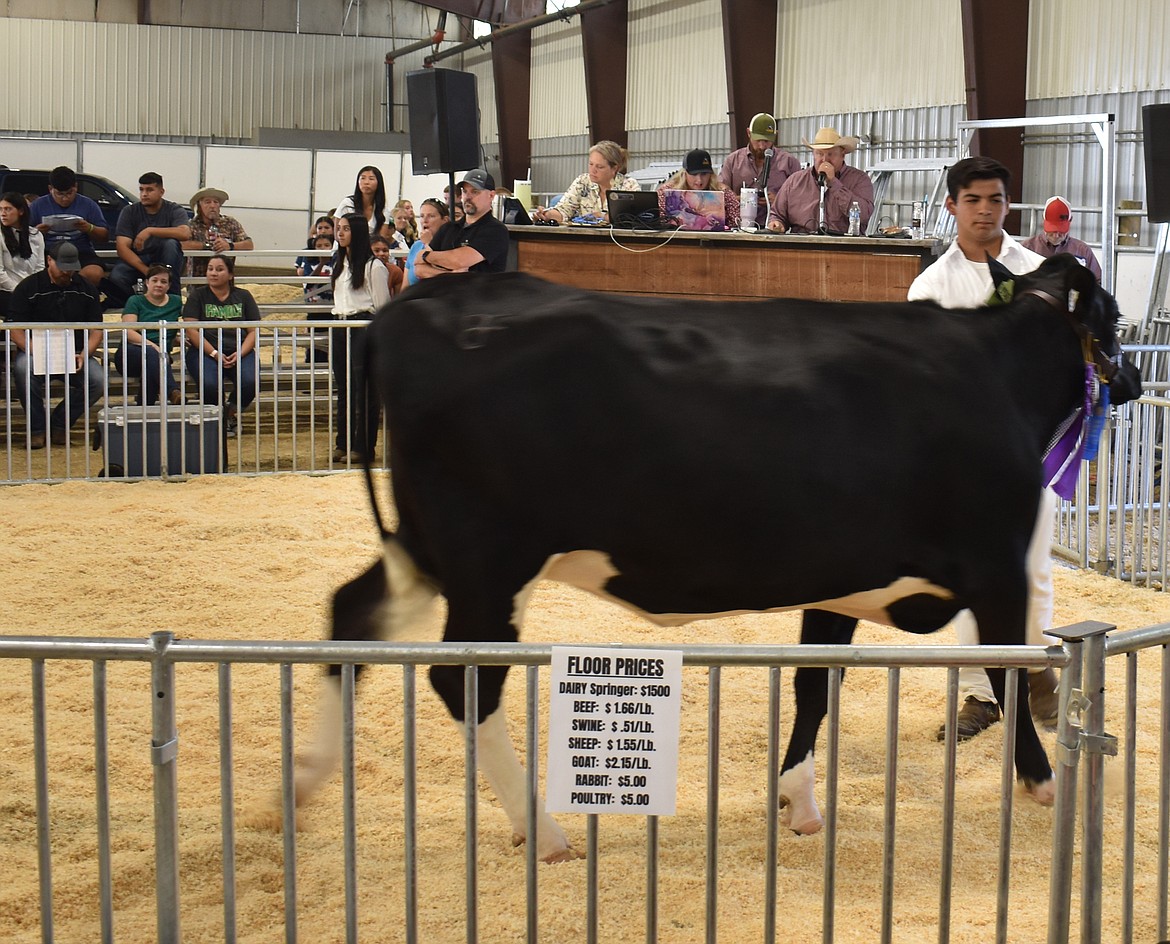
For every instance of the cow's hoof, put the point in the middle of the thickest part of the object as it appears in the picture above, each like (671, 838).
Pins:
(1043, 792)
(565, 855)
(804, 823)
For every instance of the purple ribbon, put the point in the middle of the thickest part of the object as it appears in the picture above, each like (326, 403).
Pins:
(1062, 461)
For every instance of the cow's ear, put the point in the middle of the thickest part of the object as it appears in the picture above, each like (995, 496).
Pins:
(999, 272)
(1004, 280)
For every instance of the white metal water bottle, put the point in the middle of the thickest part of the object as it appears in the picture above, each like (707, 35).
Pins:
(854, 219)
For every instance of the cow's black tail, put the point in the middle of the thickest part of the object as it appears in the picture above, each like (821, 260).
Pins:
(383, 531)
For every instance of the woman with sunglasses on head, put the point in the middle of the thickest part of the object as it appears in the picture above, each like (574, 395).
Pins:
(432, 214)
(361, 286)
(228, 351)
(22, 247)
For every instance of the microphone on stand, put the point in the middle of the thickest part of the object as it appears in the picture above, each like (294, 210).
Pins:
(822, 227)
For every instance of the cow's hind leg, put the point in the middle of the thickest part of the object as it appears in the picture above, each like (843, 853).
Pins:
(798, 772)
(475, 615)
(385, 598)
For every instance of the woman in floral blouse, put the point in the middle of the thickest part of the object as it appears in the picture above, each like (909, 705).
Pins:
(587, 195)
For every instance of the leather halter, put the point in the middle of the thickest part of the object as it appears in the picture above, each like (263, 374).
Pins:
(1090, 345)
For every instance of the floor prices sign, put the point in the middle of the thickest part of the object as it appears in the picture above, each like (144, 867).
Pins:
(613, 731)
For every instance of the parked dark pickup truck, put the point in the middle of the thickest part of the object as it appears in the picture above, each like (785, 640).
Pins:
(111, 197)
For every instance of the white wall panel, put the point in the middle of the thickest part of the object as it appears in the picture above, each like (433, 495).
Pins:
(1085, 47)
(558, 81)
(38, 154)
(846, 56)
(335, 176)
(676, 64)
(124, 163)
(260, 177)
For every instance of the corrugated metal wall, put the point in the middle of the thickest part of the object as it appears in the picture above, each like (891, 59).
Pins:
(676, 74)
(1086, 47)
(845, 56)
(116, 79)
(558, 81)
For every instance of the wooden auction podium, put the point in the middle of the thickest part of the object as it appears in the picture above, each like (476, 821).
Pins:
(722, 265)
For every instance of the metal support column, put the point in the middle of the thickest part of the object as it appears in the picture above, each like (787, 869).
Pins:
(164, 752)
(749, 52)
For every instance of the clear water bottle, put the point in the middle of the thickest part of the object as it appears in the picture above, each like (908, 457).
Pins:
(854, 219)
(140, 287)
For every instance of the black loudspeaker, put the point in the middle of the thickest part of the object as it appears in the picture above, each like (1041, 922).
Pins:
(444, 120)
(1156, 134)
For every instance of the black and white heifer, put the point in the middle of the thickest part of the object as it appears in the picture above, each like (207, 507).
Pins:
(690, 460)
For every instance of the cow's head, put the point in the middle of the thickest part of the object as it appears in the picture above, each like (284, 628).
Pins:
(1067, 285)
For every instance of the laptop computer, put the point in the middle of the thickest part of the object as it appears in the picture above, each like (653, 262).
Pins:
(700, 210)
(514, 214)
(634, 209)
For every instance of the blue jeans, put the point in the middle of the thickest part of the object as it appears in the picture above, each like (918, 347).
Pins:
(242, 376)
(168, 252)
(128, 360)
(30, 388)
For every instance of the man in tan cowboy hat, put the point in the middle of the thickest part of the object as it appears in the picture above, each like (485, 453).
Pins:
(745, 167)
(797, 206)
(211, 230)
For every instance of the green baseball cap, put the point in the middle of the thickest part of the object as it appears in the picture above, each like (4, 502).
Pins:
(763, 128)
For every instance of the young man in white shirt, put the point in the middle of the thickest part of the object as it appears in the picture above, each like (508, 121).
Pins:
(977, 197)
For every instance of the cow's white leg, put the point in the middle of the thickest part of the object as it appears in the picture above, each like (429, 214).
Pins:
(324, 756)
(799, 810)
(506, 776)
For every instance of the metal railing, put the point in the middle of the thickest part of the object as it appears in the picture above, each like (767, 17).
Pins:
(286, 417)
(1082, 743)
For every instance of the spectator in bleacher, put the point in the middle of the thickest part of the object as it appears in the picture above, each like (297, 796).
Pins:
(454, 210)
(431, 216)
(368, 200)
(404, 225)
(380, 247)
(150, 232)
(22, 248)
(228, 352)
(1054, 237)
(212, 230)
(156, 305)
(360, 287)
(318, 265)
(89, 225)
(323, 226)
(57, 294)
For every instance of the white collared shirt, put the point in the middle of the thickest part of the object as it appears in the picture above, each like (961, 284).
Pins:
(374, 293)
(954, 281)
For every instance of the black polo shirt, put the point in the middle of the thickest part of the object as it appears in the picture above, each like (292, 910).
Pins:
(38, 298)
(487, 236)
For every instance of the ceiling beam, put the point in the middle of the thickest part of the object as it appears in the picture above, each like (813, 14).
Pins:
(749, 52)
(995, 68)
(604, 42)
(512, 75)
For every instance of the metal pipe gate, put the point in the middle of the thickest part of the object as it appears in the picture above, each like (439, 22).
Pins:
(1082, 745)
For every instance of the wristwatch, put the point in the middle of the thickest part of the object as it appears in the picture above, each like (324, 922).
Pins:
(423, 255)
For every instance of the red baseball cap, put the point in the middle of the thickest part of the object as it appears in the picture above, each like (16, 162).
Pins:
(1057, 214)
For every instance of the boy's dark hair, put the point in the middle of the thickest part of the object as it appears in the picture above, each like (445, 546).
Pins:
(970, 169)
(150, 177)
(62, 178)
